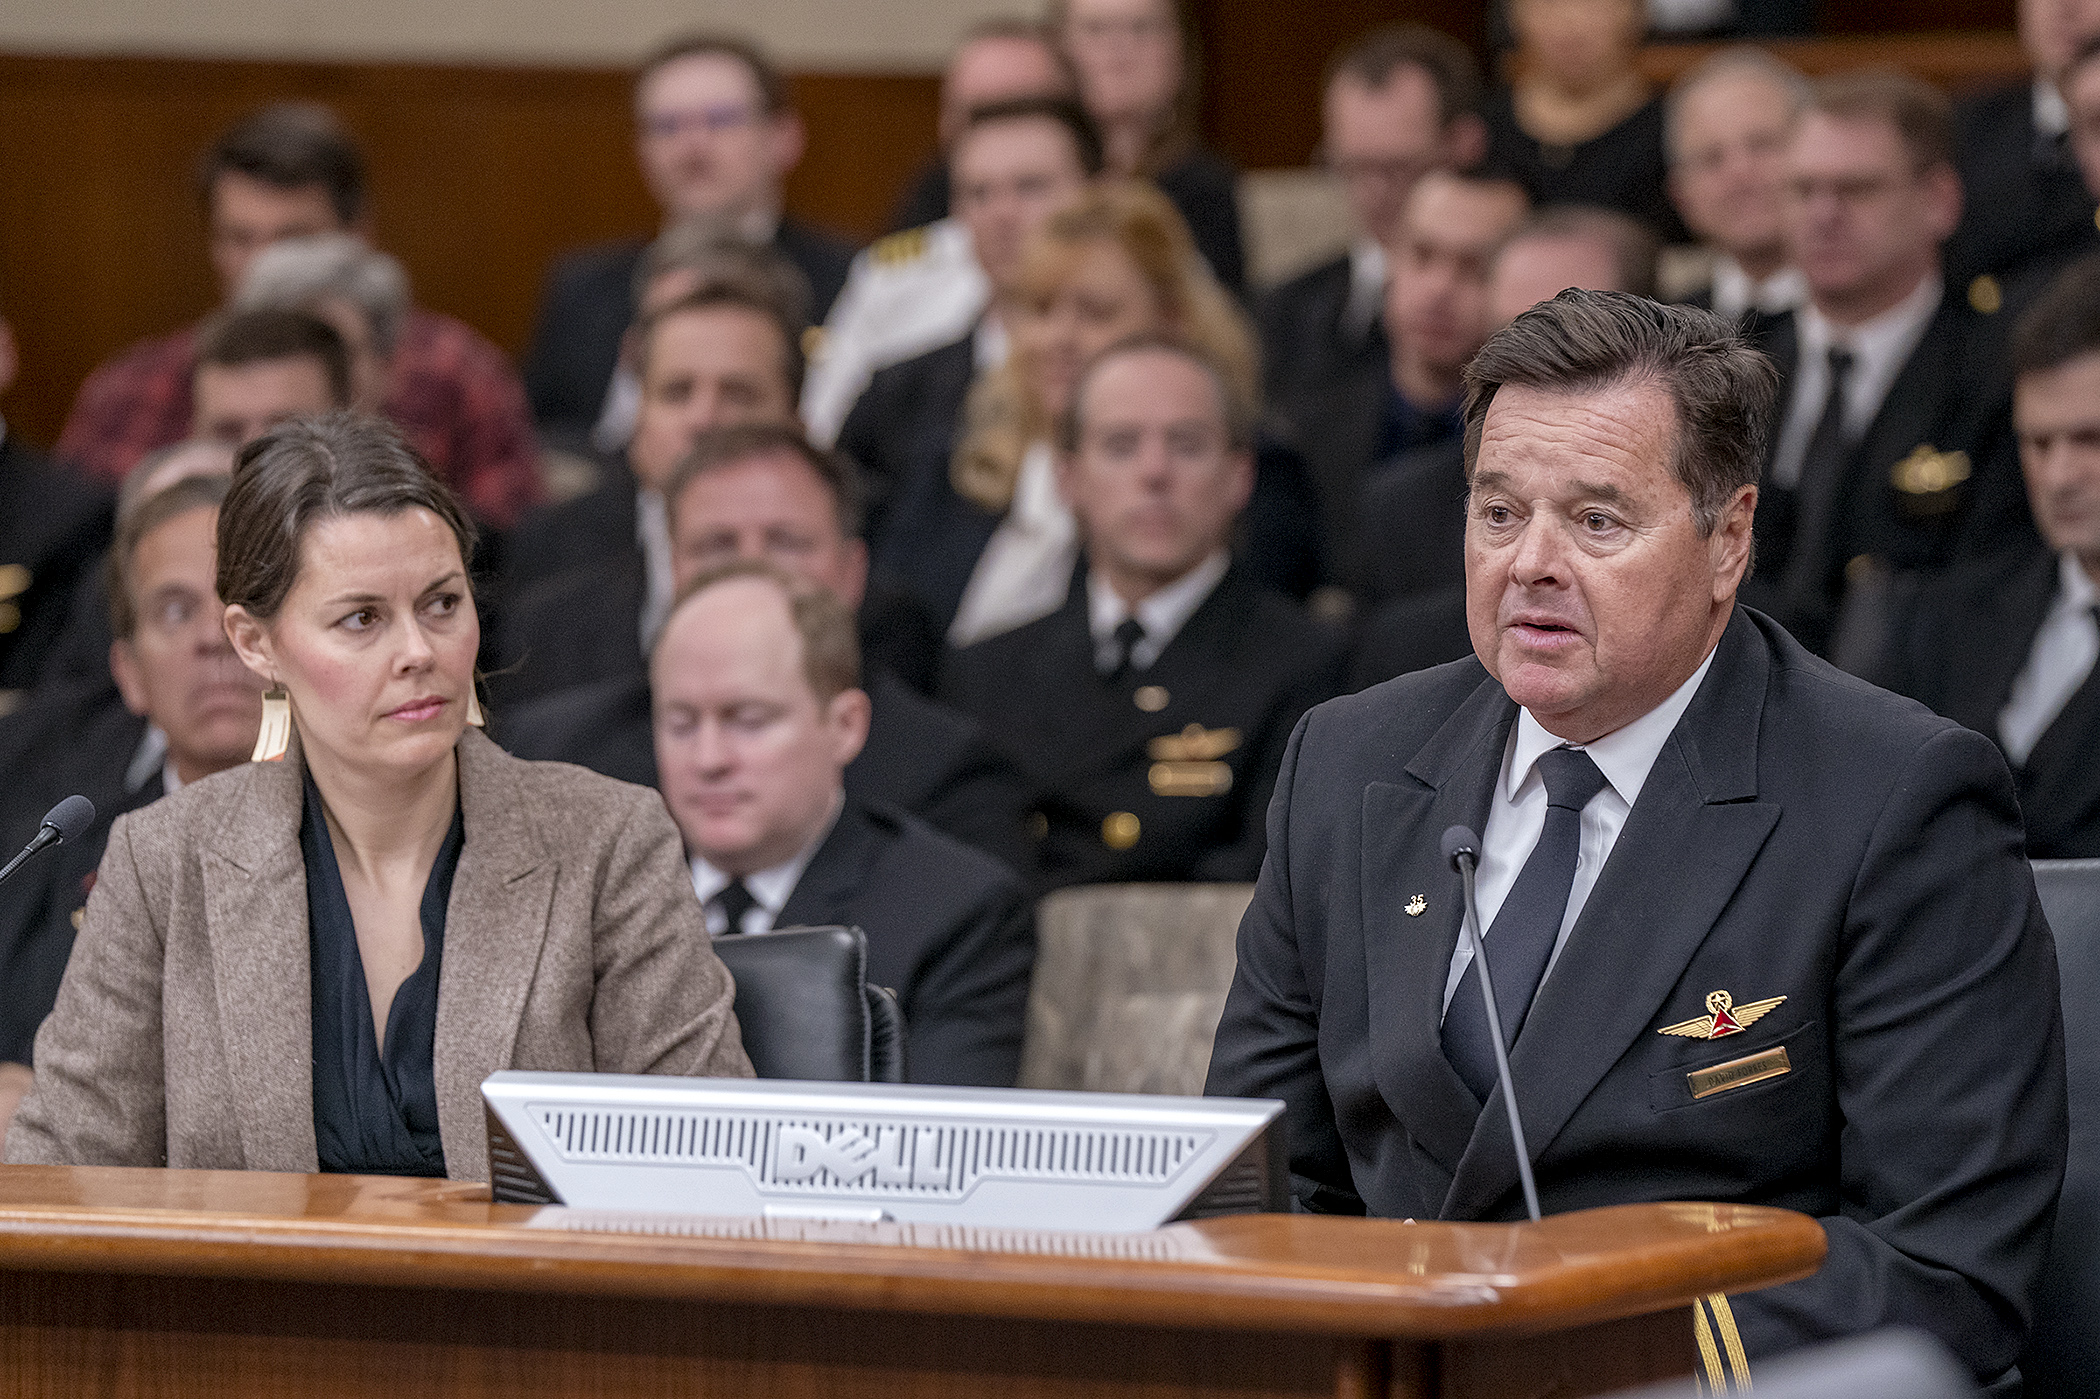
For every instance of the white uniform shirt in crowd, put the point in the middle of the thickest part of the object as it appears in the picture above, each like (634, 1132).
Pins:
(1162, 613)
(2057, 664)
(906, 294)
(1517, 813)
(1879, 347)
(151, 757)
(1735, 293)
(2052, 115)
(772, 888)
(1367, 274)
(652, 531)
(1026, 567)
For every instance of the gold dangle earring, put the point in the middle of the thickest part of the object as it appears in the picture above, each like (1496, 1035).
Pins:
(474, 715)
(275, 736)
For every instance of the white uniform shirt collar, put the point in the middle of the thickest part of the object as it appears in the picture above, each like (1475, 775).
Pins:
(652, 532)
(1880, 348)
(2061, 656)
(1625, 756)
(989, 343)
(151, 757)
(2052, 115)
(1367, 274)
(1162, 613)
(771, 887)
(1735, 293)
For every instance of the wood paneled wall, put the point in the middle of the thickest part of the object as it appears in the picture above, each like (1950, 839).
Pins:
(480, 176)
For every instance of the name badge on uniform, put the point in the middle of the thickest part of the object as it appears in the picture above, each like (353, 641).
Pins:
(1187, 764)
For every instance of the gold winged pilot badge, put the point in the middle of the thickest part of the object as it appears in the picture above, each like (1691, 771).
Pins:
(1725, 1018)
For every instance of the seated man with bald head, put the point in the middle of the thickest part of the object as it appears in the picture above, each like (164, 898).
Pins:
(758, 711)
(1761, 933)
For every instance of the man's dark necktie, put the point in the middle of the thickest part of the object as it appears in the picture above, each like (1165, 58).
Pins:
(1528, 924)
(1807, 555)
(1825, 457)
(734, 901)
(1129, 632)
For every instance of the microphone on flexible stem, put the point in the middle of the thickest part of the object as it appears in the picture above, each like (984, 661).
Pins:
(1462, 849)
(68, 820)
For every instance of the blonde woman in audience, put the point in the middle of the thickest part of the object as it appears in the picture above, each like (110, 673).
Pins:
(313, 960)
(984, 537)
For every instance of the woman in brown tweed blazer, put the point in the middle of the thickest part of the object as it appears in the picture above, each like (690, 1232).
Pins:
(312, 962)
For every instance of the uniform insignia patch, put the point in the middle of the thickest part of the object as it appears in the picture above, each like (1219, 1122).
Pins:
(1926, 472)
(1724, 1017)
(1194, 744)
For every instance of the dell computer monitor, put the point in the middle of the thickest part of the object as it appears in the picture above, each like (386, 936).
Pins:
(989, 1157)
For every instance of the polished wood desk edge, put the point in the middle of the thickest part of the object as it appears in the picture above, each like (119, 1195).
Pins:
(1274, 1273)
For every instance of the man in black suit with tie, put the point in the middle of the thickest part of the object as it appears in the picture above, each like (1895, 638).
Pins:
(2008, 646)
(1399, 102)
(1151, 710)
(765, 492)
(1894, 449)
(716, 136)
(1761, 933)
(190, 709)
(757, 713)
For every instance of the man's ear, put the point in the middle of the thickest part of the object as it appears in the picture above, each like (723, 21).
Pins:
(131, 679)
(1730, 544)
(847, 719)
(789, 142)
(1465, 141)
(856, 573)
(251, 642)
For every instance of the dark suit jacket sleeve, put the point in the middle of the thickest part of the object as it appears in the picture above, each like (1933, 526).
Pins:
(1949, 1076)
(98, 1098)
(1268, 1041)
(969, 999)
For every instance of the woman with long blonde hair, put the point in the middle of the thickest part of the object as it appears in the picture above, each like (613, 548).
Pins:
(983, 537)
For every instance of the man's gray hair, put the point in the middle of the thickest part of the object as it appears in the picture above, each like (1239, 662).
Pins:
(1591, 341)
(298, 273)
(1737, 61)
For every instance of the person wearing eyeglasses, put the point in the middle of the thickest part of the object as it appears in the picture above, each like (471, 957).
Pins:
(716, 136)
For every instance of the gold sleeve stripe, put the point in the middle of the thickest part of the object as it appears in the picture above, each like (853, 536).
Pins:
(1731, 1341)
(1709, 1354)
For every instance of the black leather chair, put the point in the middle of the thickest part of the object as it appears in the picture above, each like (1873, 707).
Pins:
(2063, 1355)
(806, 1009)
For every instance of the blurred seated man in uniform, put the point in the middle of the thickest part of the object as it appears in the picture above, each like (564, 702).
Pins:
(758, 712)
(997, 60)
(1414, 512)
(1435, 312)
(1015, 164)
(592, 576)
(1150, 712)
(291, 171)
(1762, 934)
(716, 135)
(764, 492)
(2008, 646)
(190, 709)
(1400, 102)
(1894, 450)
(53, 525)
(1725, 129)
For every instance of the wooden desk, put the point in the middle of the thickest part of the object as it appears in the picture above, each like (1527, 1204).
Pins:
(195, 1283)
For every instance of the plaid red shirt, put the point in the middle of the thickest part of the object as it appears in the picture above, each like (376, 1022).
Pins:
(455, 397)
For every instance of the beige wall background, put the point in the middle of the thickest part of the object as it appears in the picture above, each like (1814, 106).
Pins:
(845, 35)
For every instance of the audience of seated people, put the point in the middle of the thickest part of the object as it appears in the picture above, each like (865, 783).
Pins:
(1089, 504)
(758, 712)
(763, 492)
(1727, 122)
(716, 135)
(922, 286)
(290, 171)
(1150, 709)
(1015, 164)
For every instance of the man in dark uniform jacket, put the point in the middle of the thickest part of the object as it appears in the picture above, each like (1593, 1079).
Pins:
(1894, 449)
(1151, 711)
(2024, 197)
(189, 709)
(717, 137)
(53, 525)
(761, 492)
(1753, 921)
(757, 715)
(1399, 102)
(2008, 646)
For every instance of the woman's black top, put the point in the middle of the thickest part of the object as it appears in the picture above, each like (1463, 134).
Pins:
(1623, 168)
(374, 1113)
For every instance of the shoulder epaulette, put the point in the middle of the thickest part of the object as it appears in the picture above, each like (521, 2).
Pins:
(908, 246)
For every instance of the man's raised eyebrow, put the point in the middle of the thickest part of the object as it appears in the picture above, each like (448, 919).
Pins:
(1600, 490)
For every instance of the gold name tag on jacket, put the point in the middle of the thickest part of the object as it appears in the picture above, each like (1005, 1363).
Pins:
(1739, 1073)
(1186, 764)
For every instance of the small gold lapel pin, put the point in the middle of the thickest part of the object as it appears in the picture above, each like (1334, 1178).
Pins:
(1724, 1017)
(1417, 906)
